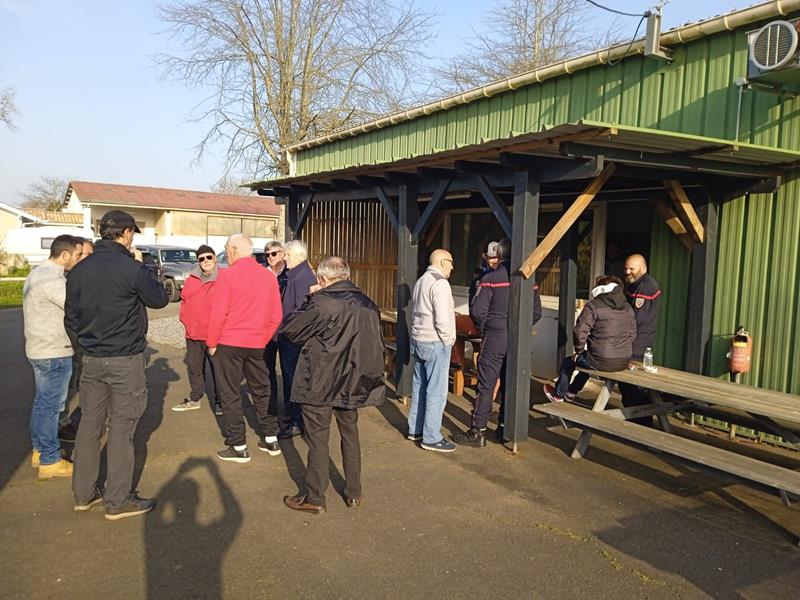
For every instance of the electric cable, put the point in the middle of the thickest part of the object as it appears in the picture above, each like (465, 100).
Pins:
(630, 45)
(614, 10)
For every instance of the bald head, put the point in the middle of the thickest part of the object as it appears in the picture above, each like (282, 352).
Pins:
(442, 261)
(239, 245)
(635, 268)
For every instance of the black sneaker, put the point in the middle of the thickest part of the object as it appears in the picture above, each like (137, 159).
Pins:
(270, 448)
(291, 432)
(133, 506)
(471, 437)
(218, 409)
(233, 455)
(96, 498)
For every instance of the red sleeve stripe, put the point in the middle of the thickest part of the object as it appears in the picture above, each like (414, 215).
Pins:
(495, 285)
(645, 296)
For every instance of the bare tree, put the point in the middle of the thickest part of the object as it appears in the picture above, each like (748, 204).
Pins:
(47, 193)
(7, 107)
(282, 71)
(228, 185)
(518, 36)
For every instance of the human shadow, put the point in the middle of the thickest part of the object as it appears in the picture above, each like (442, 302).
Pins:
(294, 463)
(184, 556)
(159, 375)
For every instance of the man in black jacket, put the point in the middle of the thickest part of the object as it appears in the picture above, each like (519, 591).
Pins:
(105, 312)
(644, 296)
(489, 312)
(340, 370)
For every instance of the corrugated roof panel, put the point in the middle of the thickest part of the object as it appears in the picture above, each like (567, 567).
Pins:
(718, 93)
(695, 77)
(612, 93)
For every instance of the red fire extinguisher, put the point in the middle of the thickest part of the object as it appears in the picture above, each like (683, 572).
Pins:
(741, 351)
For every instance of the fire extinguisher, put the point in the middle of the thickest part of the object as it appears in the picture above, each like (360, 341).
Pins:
(741, 351)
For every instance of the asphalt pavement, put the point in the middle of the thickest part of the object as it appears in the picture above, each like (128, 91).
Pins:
(621, 523)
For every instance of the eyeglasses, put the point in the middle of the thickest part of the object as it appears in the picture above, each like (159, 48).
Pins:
(205, 258)
(274, 253)
(450, 260)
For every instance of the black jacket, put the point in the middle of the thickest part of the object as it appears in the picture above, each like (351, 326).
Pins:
(341, 360)
(489, 306)
(644, 296)
(106, 298)
(606, 329)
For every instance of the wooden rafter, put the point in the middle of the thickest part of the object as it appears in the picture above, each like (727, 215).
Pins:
(685, 210)
(673, 222)
(566, 221)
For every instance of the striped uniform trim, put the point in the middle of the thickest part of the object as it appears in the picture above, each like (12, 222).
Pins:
(645, 296)
(494, 285)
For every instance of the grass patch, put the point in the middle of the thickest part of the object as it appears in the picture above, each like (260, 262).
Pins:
(11, 293)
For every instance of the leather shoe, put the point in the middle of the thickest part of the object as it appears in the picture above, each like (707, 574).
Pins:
(353, 502)
(299, 503)
(290, 432)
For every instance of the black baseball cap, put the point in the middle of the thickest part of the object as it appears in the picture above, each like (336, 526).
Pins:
(119, 218)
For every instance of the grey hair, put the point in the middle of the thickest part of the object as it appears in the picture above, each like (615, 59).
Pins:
(242, 242)
(504, 249)
(296, 248)
(333, 268)
(273, 244)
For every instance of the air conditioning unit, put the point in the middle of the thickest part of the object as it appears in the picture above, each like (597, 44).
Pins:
(773, 56)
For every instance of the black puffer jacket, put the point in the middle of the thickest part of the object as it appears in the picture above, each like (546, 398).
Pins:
(341, 360)
(106, 298)
(606, 329)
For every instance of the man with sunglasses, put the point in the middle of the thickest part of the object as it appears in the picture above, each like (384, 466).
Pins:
(277, 265)
(194, 314)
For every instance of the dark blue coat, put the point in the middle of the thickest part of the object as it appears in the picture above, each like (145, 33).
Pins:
(298, 283)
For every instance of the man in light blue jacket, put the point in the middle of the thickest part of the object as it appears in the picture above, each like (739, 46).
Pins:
(433, 332)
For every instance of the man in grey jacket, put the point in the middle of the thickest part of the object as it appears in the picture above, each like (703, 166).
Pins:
(433, 332)
(49, 351)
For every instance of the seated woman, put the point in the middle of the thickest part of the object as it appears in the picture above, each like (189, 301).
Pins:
(603, 338)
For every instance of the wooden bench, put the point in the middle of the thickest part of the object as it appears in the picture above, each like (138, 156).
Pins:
(785, 481)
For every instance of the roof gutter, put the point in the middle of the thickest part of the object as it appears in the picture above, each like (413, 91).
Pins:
(679, 35)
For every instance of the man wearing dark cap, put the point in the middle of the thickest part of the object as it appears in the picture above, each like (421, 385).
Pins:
(194, 314)
(105, 312)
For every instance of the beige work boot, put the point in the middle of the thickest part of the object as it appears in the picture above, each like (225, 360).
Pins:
(62, 468)
(35, 459)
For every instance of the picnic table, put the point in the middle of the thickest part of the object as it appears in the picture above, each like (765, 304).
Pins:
(672, 390)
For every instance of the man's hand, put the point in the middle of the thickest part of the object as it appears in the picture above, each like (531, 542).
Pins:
(314, 288)
(212, 351)
(137, 254)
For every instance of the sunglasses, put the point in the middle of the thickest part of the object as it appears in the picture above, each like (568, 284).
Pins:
(205, 258)
(274, 253)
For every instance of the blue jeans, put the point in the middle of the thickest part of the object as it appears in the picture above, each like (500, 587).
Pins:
(428, 390)
(567, 367)
(51, 376)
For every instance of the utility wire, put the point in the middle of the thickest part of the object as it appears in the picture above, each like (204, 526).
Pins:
(633, 39)
(614, 10)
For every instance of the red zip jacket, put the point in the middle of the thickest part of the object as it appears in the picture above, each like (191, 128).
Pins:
(196, 306)
(245, 306)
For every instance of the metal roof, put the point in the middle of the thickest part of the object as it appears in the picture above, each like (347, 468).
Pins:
(654, 148)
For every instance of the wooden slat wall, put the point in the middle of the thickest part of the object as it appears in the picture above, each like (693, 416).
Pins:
(360, 233)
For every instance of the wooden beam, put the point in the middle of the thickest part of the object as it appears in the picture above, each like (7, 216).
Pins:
(301, 220)
(436, 173)
(496, 204)
(437, 199)
(673, 222)
(472, 167)
(566, 221)
(685, 209)
(391, 212)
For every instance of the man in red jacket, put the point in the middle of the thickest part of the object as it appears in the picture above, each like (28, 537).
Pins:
(195, 305)
(245, 314)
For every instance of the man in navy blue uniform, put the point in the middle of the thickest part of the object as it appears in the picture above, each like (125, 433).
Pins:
(489, 311)
(644, 295)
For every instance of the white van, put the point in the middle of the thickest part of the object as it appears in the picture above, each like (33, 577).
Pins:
(33, 243)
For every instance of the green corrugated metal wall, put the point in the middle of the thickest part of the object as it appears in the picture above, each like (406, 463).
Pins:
(758, 274)
(694, 94)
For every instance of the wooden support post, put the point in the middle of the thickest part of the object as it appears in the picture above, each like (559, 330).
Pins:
(292, 209)
(685, 210)
(567, 291)
(303, 216)
(525, 225)
(407, 215)
(701, 290)
(672, 220)
(536, 257)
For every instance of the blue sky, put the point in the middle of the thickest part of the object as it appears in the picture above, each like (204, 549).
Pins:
(93, 107)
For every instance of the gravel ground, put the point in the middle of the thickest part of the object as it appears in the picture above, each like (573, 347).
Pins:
(167, 331)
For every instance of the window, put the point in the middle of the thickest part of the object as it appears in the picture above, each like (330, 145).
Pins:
(47, 242)
(187, 256)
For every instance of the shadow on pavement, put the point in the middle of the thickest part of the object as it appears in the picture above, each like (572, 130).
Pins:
(185, 550)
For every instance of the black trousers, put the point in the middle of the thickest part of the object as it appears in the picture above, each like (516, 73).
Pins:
(233, 364)
(290, 411)
(271, 360)
(318, 430)
(633, 395)
(196, 356)
(491, 367)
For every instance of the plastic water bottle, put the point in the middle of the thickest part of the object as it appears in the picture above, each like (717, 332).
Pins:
(647, 360)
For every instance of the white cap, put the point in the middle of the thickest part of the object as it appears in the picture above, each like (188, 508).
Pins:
(491, 250)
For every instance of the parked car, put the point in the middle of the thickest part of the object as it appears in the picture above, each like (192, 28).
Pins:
(258, 254)
(172, 264)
